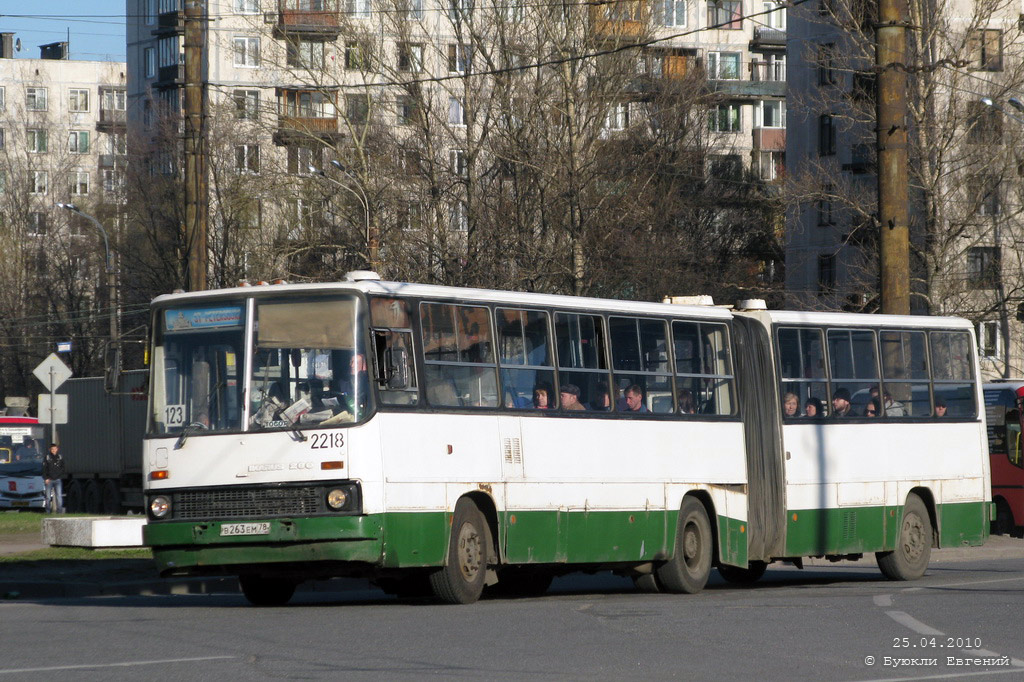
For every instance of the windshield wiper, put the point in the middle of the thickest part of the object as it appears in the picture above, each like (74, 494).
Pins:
(188, 431)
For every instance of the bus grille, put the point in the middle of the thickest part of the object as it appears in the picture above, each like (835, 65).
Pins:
(244, 503)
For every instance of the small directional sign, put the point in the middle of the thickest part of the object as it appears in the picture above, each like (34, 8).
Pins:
(63, 346)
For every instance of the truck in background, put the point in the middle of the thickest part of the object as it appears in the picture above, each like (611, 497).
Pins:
(102, 444)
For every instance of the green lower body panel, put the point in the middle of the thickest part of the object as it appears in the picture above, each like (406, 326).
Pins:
(407, 540)
(857, 530)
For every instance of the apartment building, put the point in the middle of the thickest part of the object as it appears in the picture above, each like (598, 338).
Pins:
(965, 177)
(62, 136)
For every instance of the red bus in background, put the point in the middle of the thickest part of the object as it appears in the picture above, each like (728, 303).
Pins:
(22, 446)
(1004, 447)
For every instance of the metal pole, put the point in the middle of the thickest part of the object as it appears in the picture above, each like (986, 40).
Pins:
(372, 237)
(195, 160)
(893, 195)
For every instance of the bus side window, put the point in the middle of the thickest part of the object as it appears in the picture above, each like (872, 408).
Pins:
(1013, 445)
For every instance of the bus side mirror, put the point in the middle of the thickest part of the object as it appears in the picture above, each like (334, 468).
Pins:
(112, 371)
(396, 368)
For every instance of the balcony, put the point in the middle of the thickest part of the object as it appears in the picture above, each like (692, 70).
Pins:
(748, 90)
(170, 24)
(768, 39)
(307, 18)
(291, 129)
(112, 161)
(110, 120)
(618, 20)
(769, 139)
(170, 77)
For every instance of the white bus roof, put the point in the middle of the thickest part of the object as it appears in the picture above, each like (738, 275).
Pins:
(853, 319)
(464, 294)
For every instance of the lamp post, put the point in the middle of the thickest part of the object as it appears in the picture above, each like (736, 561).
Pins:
(111, 273)
(356, 190)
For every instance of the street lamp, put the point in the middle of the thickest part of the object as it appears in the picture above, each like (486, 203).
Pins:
(111, 285)
(356, 190)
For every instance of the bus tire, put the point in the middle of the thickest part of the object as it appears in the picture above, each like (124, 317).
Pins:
(647, 583)
(91, 497)
(1003, 525)
(73, 496)
(743, 576)
(688, 569)
(461, 579)
(913, 546)
(263, 591)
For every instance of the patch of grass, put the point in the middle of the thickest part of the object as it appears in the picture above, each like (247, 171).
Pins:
(12, 522)
(76, 553)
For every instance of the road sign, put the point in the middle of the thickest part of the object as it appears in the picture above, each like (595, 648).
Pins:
(52, 372)
(59, 413)
(63, 346)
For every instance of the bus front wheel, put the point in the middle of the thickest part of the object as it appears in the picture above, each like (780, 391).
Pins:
(913, 546)
(263, 591)
(688, 569)
(461, 579)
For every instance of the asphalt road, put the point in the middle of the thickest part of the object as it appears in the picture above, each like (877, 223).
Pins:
(820, 623)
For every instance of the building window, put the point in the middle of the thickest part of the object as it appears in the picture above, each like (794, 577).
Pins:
(247, 51)
(150, 10)
(37, 141)
(723, 65)
(36, 224)
(826, 64)
(300, 158)
(458, 163)
(983, 267)
(986, 191)
(725, 118)
(863, 87)
(306, 54)
(984, 124)
(670, 12)
(825, 205)
(149, 61)
(458, 218)
(3, 138)
(247, 104)
(776, 15)
(170, 52)
(771, 113)
(459, 58)
(78, 100)
(989, 339)
(985, 49)
(79, 181)
(408, 110)
(412, 10)
(410, 57)
(725, 14)
(617, 117)
(247, 158)
(247, 6)
(357, 57)
(770, 165)
(38, 181)
(771, 68)
(78, 142)
(725, 166)
(357, 108)
(113, 180)
(35, 99)
(456, 112)
(826, 135)
(117, 143)
(113, 100)
(358, 9)
(3, 99)
(459, 10)
(826, 273)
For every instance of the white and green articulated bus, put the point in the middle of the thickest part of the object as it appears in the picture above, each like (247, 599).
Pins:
(447, 439)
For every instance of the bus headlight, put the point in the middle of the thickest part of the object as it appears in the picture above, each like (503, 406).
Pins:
(159, 507)
(337, 499)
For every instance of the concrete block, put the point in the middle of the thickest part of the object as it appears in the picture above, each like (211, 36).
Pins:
(94, 531)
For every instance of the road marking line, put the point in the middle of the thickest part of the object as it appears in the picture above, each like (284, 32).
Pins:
(971, 582)
(126, 664)
(904, 618)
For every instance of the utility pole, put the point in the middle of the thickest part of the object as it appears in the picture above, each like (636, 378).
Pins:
(196, 189)
(893, 167)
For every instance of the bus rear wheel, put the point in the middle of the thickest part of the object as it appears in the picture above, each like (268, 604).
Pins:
(743, 576)
(461, 579)
(688, 569)
(913, 546)
(1003, 525)
(263, 591)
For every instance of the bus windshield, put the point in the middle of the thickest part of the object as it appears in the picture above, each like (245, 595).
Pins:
(309, 364)
(21, 450)
(197, 372)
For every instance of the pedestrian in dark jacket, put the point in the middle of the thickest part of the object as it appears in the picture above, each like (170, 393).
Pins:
(53, 477)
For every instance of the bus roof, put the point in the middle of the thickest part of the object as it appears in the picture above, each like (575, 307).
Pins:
(9, 420)
(853, 319)
(458, 293)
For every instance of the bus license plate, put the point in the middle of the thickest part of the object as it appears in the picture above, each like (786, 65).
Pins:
(245, 529)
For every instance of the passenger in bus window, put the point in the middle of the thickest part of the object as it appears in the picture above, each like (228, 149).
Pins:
(687, 405)
(940, 408)
(873, 408)
(814, 409)
(541, 397)
(602, 401)
(569, 395)
(894, 408)
(841, 403)
(790, 405)
(632, 400)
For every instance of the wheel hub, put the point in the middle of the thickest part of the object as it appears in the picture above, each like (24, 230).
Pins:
(470, 552)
